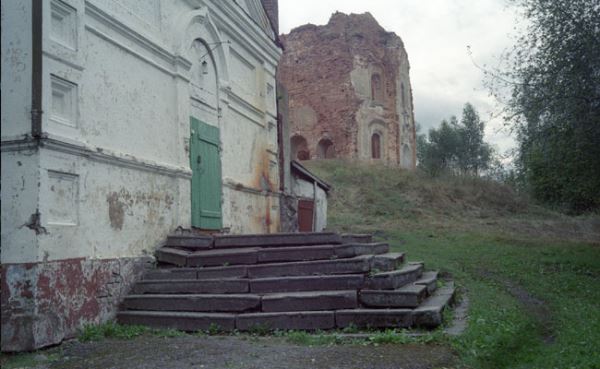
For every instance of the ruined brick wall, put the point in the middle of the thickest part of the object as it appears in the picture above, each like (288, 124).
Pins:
(345, 82)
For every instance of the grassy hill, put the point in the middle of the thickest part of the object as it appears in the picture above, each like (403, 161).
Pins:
(531, 274)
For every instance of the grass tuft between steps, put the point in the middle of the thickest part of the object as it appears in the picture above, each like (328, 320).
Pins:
(97, 332)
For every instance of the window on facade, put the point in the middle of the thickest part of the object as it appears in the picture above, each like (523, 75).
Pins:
(376, 87)
(376, 146)
(325, 149)
(299, 148)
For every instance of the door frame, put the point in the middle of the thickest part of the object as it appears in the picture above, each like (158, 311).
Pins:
(199, 134)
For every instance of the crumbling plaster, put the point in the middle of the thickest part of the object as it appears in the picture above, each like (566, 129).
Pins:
(109, 177)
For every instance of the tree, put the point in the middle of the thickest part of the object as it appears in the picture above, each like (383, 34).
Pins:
(554, 77)
(455, 147)
(473, 154)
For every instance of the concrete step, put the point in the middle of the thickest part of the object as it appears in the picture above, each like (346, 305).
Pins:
(192, 286)
(184, 321)
(193, 302)
(190, 241)
(307, 283)
(429, 313)
(408, 296)
(309, 301)
(296, 253)
(387, 262)
(306, 320)
(223, 257)
(374, 318)
(172, 255)
(349, 250)
(357, 238)
(232, 271)
(277, 239)
(359, 264)
(394, 279)
(429, 279)
(254, 255)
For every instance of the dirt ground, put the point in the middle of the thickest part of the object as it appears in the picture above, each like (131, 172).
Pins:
(229, 352)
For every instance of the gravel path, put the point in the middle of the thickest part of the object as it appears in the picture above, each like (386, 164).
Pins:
(228, 352)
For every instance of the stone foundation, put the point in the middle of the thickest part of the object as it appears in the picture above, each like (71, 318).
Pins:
(46, 302)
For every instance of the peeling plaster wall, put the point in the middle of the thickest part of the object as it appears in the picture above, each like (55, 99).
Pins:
(42, 304)
(20, 224)
(98, 210)
(110, 176)
(16, 68)
(114, 173)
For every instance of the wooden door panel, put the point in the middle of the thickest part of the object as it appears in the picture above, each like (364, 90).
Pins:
(306, 210)
(206, 178)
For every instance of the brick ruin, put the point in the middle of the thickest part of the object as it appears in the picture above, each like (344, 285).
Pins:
(349, 92)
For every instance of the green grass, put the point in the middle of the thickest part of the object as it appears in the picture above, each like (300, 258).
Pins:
(531, 274)
(97, 332)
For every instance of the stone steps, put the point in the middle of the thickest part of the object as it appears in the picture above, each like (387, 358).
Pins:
(256, 255)
(284, 281)
(307, 283)
(410, 295)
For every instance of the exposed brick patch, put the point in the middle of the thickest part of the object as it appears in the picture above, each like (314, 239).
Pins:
(44, 303)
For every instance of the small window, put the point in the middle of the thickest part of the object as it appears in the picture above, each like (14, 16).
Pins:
(376, 87)
(299, 148)
(325, 149)
(403, 95)
(376, 146)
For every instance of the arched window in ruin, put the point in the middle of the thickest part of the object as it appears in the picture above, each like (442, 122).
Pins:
(407, 157)
(299, 148)
(325, 149)
(376, 146)
(376, 87)
(403, 95)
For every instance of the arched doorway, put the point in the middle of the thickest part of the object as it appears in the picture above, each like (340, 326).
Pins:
(205, 143)
(299, 148)
(325, 149)
(376, 146)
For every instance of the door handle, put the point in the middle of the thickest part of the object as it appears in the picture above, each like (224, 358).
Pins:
(198, 159)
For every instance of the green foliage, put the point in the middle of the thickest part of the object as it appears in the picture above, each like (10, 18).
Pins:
(308, 339)
(553, 74)
(441, 224)
(455, 147)
(96, 332)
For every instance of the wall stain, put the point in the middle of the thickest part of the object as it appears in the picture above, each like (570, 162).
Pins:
(35, 223)
(116, 211)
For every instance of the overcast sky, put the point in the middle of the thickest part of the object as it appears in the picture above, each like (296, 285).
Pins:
(436, 34)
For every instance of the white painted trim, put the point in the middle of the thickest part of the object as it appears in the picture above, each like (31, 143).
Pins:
(243, 107)
(108, 20)
(258, 39)
(61, 144)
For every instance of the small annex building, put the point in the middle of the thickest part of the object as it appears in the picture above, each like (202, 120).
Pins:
(121, 122)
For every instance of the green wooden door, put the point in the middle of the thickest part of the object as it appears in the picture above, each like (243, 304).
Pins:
(206, 178)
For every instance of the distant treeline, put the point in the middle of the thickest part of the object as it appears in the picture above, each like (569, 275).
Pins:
(549, 86)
